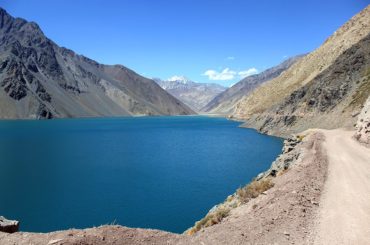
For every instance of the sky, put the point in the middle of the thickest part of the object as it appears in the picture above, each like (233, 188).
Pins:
(218, 41)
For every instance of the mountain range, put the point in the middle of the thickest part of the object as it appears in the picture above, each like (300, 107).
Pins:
(324, 89)
(195, 95)
(39, 79)
(225, 102)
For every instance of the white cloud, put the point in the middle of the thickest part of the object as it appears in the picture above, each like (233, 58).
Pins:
(246, 73)
(225, 75)
(228, 74)
(230, 58)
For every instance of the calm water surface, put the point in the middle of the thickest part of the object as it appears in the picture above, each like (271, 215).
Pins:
(158, 172)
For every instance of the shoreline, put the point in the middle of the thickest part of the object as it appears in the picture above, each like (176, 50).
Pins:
(155, 235)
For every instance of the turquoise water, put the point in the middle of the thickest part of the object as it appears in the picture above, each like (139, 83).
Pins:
(157, 172)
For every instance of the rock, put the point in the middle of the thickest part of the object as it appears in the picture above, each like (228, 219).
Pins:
(363, 125)
(8, 226)
(54, 241)
(260, 176)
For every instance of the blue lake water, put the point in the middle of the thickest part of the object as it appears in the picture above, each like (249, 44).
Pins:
(152, 172)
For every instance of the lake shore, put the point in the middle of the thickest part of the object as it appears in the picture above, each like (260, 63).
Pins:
(259, 212)
(292, 211)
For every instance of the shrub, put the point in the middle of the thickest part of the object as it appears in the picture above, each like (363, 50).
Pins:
(244, 194)
(300, 137)
(210, 219)
(254, 189)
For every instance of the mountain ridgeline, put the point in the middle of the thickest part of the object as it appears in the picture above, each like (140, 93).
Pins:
(325, 89)
(225, 102)
(39, 79)
(195, 95)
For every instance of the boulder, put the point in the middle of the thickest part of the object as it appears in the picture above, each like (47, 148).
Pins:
(8, 226)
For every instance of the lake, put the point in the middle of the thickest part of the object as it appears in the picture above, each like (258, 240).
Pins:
(151, 172)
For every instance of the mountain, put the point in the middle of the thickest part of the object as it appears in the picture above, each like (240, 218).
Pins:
(195, 95)
(225, 102)
(324, 89)
(39, 79)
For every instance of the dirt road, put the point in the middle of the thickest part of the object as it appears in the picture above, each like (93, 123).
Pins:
(344, 215)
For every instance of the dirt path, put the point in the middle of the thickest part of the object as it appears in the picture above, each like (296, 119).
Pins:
(344, 215)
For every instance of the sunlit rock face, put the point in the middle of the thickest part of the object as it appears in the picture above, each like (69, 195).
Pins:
(363, 124)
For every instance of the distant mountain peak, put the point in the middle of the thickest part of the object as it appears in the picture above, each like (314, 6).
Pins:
(195, 95)
(180, 79)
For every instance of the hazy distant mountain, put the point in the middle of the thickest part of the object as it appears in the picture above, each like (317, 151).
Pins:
(325, 89)
(195, 95)
(39, 79)
(225, 102)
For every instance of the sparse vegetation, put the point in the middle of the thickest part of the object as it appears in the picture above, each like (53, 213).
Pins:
(244, 194)
(210, 219)
(300, 137)
(254, 189)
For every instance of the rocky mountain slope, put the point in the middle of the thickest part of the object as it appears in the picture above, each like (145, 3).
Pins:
(39, 79)
(225, 102)
(325, 89)
(195, 95)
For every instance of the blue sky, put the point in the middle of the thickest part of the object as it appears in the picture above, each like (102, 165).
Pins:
(207, 41)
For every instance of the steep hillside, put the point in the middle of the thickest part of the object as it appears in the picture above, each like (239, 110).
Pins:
(331, 100)
(225, 102)
(39, 79)
(324, 89)
(195, 95)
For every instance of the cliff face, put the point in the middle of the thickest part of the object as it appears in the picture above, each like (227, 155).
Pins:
(225, 102)
(39, 79)
(324, 89)
(363, 125)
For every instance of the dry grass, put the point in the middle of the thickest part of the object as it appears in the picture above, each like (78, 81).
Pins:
(254, 189)
(209, 220)
(300, 137)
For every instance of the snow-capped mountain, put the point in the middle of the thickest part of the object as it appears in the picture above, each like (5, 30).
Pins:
(196, 95)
